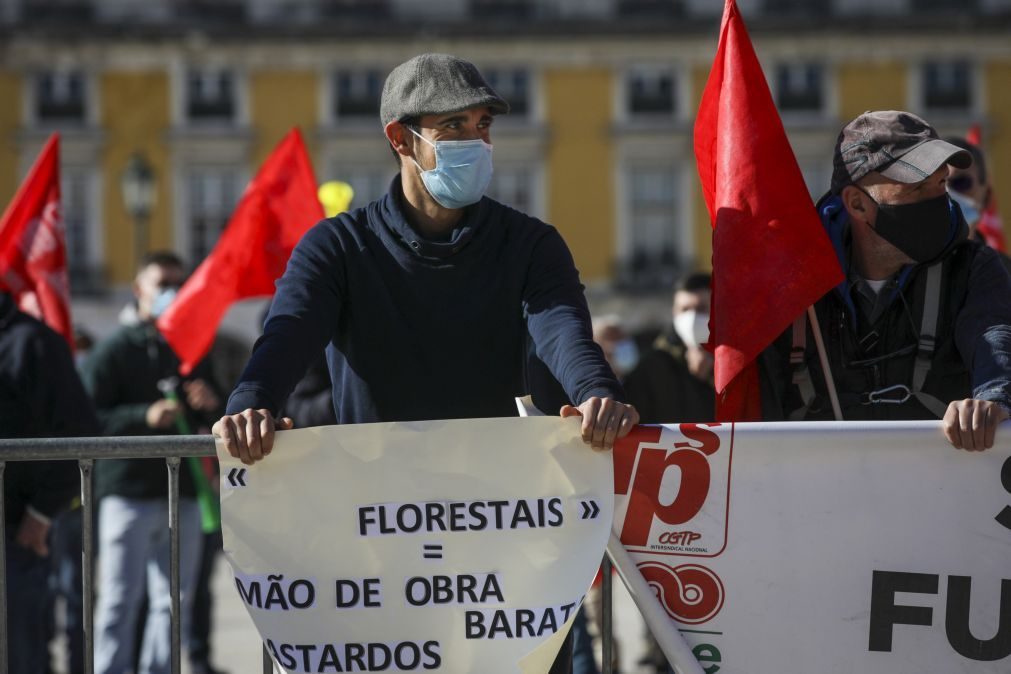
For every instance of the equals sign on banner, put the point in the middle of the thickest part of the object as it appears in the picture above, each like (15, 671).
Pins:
(432, 551)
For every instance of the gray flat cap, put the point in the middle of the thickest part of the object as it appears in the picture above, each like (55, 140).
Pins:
(436, 84)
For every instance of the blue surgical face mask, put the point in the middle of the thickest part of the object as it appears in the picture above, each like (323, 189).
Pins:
(462, 171)
(969, 209)
(162, 301)
(625, 356)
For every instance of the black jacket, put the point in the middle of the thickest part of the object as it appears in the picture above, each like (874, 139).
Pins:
(664, 391)
(973, 339)
(40, 396)
(122, 375)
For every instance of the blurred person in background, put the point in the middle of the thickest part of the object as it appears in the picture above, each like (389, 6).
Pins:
(674, 379)
(133, 378)
(970, 188)
(620, 349)
(40, 396)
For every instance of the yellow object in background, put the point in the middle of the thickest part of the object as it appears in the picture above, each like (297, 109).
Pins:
(335, 196)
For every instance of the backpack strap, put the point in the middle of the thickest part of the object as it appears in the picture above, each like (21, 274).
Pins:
(801, 372)
(928, 339)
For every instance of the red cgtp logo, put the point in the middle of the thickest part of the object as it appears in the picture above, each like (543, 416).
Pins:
(672, 485)
(690, 593)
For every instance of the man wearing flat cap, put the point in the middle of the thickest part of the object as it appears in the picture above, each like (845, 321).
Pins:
(921, 327)
(427, 299)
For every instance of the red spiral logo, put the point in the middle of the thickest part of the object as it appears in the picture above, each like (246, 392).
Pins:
(691, 594)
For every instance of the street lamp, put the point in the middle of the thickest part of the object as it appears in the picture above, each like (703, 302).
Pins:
(138, 186)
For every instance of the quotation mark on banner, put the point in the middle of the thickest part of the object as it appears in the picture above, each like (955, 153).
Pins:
(691, 594)
(590, 510)
(236, 477)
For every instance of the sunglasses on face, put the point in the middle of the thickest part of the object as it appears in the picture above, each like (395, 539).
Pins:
(961, 183)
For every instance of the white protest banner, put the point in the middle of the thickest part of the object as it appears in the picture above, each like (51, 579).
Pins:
(448, 546)
(822, 547)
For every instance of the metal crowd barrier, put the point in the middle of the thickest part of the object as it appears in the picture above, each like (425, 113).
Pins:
(172, 448)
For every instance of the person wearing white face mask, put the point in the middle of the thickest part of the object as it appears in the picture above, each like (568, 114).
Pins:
(674, 380)
(970, 189)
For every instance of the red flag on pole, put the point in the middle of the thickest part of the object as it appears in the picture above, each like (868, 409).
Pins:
(33, 249)
(771, 256)
(278, 207)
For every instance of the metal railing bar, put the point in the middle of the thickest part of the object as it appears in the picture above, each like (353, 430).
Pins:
(88, 561)
(173, 507)
(268, 664)
(132, 447)
(3, 575)
(607, 631)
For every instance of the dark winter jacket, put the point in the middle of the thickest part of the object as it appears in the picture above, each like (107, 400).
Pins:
(664, 391)
(40, 396)
(122, 375)
(872, 360)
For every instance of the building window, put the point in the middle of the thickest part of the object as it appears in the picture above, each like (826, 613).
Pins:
(357, 94)
(211, 96)
(60, 97)
(513, 186)
(62, 11)
(960, 6)
(514, 86)
(650, 91)
(650, 8)
(213, 193)
(947, 86)
(652, 259)
(355, 9)
(800, 87)
(501, 9)
(75, 194)
(211, 11)
(798, 7)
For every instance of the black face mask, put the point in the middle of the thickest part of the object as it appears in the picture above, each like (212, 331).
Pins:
(921, 230)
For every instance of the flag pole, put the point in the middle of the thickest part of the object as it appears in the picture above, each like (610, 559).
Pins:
(823, 357)
(673, 645)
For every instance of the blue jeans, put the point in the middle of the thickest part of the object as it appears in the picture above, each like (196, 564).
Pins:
(133, 547)
(27, 580)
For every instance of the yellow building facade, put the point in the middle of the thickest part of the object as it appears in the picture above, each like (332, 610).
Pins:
(600, 143)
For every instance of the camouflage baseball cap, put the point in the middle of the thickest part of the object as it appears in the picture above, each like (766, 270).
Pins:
(898, 145)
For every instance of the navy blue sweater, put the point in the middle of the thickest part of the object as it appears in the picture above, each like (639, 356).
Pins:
(419, 329)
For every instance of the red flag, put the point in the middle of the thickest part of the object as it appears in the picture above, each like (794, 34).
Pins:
(278, 207)
(33, 249)
(771, 256)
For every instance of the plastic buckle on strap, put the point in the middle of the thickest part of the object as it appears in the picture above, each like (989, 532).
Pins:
(890, 395)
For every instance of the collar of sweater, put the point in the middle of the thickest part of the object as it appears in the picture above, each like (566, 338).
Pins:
(459, 237)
